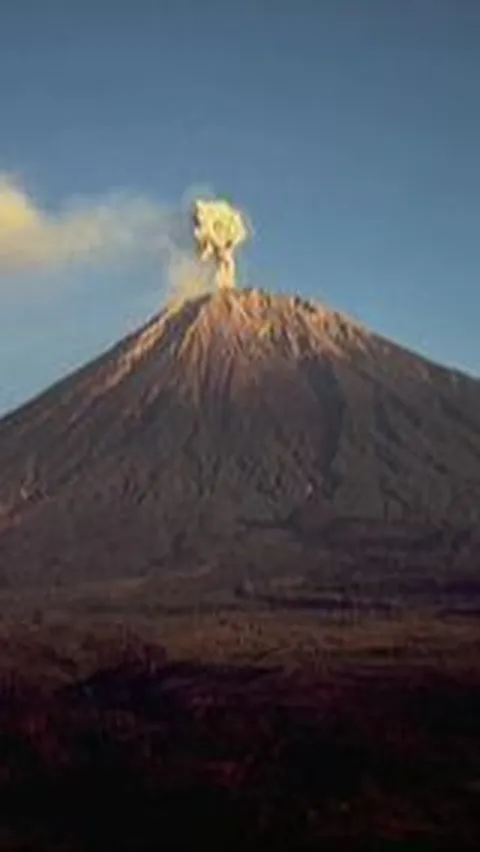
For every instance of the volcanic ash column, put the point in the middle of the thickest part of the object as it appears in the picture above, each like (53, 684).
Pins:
(218, 230)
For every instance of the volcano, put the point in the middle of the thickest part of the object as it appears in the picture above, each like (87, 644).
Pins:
(239, 427)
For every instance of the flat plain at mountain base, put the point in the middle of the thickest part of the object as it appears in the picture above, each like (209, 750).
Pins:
(237, 729)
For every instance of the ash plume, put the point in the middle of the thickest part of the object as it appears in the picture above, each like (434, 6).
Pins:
(105, 233)
(219, 229)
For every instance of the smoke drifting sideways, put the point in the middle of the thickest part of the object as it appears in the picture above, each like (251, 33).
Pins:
(117, 232)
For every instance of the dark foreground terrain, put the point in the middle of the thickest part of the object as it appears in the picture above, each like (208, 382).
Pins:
(268, 729)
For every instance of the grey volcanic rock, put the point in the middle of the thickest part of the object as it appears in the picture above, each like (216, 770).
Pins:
(231, 417)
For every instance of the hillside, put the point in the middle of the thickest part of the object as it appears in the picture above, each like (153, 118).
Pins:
(238, 423)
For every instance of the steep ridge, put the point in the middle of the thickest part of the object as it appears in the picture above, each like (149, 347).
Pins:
(235, 412)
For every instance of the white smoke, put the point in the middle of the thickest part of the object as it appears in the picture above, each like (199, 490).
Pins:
(218, 230)
(104, 233)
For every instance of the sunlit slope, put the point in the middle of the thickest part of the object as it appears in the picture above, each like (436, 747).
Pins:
(236, 408)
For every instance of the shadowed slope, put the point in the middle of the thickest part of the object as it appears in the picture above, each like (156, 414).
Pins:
(230, 412)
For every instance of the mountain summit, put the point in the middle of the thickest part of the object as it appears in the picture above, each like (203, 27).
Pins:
(226, 417)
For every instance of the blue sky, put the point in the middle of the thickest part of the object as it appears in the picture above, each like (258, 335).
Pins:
(348, 129)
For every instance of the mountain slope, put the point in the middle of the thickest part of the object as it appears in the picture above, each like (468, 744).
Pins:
(236, 412)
